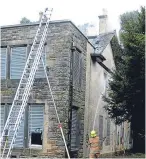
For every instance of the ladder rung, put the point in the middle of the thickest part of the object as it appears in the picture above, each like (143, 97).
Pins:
(20, 95)
(16, 107)
(31, 58)
(36, 45)
(12, 118)
(37, 42)
(21, 92)
(39, 35)
(5, 136)
(11, 123)
(22, 88)
(41, 30)
(25, 78)
(25, 81)
(14, 115)
(51, 9)
(35, 49)
(17, 102)
(47, 15)
(18, 99)
(29, 65)
(27, 73)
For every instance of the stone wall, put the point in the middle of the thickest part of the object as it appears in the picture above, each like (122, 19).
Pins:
(80, 43)
(58, 57)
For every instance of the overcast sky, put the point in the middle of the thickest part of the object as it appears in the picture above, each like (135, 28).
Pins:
(78, 11)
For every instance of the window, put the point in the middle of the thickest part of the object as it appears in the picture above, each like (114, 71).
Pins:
(77, 69)
(105, 129)
(108, 132)
(35, 125)
(122, 134)
(3, 62)
(17, 62)
(130, 136)
(75, 127)
(101, 129)
(118, 136)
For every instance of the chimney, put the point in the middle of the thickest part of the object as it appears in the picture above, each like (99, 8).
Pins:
(40, 15)
(103, 22)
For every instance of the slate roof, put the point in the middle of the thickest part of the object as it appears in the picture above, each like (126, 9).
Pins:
(101, 41)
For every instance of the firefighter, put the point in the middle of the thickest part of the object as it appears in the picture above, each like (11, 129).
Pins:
(94, 145)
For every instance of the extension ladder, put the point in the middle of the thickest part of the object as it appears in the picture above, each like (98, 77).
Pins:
(23, 91)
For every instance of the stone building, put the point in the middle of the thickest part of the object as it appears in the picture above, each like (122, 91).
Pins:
(76, 79)
(99, 63)
(64, 56)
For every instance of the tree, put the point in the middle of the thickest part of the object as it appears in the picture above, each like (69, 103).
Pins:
(126, 92)
(24, 20)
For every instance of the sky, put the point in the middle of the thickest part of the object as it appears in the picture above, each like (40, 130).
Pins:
(78, 11)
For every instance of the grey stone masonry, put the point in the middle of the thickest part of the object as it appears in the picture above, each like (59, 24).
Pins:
(58, 57)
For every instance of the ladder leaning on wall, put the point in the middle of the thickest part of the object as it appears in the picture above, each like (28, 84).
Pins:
(17, 110)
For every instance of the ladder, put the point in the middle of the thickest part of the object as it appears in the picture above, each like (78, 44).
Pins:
(17, 110)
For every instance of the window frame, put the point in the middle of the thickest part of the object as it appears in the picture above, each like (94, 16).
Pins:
(108, 131)
(5, 63)
(77, 129)
(101, 139)
(77, 80)
(11, 48)
(30, 118)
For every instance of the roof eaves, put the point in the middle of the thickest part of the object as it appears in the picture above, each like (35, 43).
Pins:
(34, 23)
